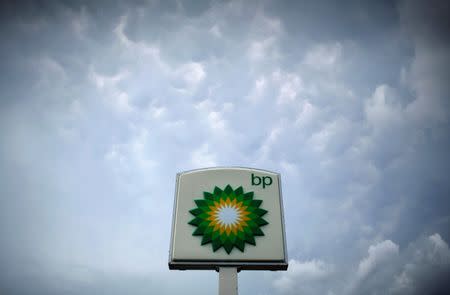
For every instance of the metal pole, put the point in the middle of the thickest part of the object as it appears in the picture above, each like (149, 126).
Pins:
(228, 281)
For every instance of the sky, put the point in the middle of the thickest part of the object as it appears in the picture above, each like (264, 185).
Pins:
(103, 102)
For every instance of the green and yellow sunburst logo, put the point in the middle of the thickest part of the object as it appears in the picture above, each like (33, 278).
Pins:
(228, 218)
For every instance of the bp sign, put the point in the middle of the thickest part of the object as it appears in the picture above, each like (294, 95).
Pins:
(228, 217)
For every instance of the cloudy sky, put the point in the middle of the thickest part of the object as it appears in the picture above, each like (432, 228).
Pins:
(102, 103)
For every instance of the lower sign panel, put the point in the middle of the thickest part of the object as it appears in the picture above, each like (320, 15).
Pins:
(228, 217)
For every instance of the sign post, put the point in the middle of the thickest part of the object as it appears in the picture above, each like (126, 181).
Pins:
(228, 281)
(228, 219)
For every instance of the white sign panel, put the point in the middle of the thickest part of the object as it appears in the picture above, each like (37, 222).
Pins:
(228, 217)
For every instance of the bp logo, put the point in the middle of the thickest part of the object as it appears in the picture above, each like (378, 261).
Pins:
(228, 218)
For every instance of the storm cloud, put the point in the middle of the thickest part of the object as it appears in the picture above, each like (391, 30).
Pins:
(103, 103)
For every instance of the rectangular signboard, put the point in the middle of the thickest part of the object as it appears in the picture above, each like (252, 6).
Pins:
(228, 217)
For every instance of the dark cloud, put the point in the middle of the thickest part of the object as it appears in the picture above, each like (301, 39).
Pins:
(427, 21)
(102, 103)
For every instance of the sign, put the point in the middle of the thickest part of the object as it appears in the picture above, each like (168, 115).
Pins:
(228, 217)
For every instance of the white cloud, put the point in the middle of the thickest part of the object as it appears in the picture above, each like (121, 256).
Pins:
(157, 112)
(381, 110)
(262, 49)
(307, 115)
(265, 34)
(80, 23)
(139, 51)
(378, 255)
(49, 71)
(184, 77)
(421, 268)
(290, 86)
(439, 245)
(75, 107)
(189, 75)
(215, 31)
(323, 56)
(289, 168)
(102, 81)
(203, 157)
(215, 115)
(205, 105)
(301, 274)
(122, 102)
(270, 25)
(132, 157)
(111, 92)
(258, 90)
(216, 120)
(119, 31)
(330, 134)
(426, 268)
(271, 139)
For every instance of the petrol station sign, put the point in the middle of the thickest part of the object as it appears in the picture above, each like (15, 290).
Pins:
(228, 217)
